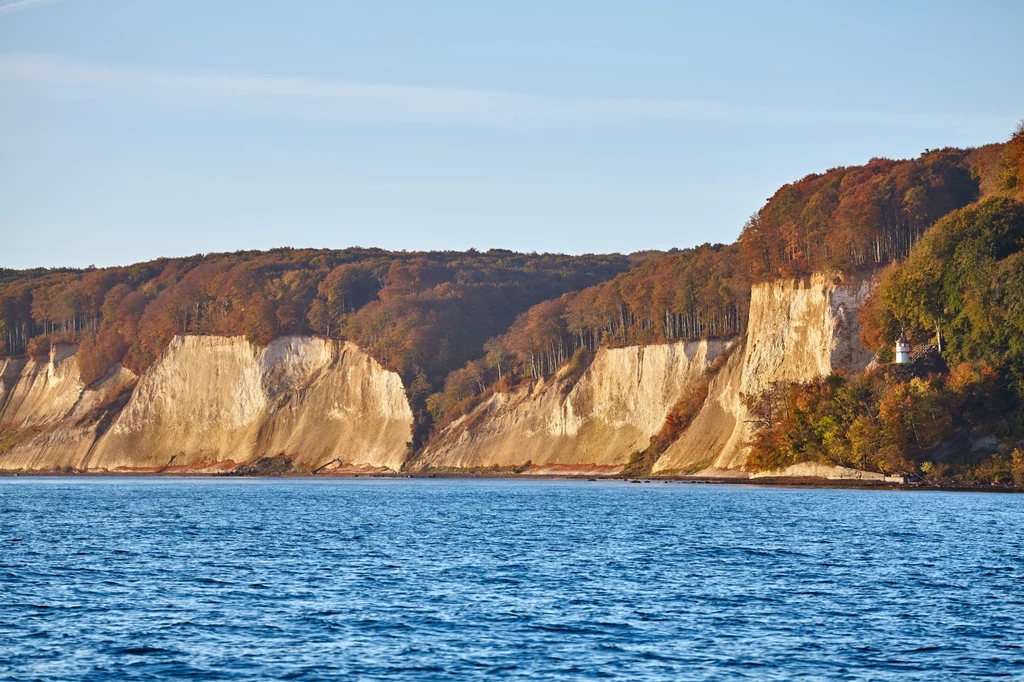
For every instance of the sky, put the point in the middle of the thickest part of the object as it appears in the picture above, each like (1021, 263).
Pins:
(131, 129)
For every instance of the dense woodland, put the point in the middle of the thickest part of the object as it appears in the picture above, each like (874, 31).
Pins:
(858, 217)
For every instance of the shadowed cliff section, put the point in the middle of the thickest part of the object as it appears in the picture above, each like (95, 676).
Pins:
(49, 419)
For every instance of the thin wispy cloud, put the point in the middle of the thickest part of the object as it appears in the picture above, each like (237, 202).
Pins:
(335, 98)
(18, 5)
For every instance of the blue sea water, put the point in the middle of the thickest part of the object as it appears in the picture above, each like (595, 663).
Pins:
(142, 579)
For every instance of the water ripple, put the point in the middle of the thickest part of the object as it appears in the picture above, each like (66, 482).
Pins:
(141, 579)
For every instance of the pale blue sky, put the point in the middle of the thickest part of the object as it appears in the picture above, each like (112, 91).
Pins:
(132, 129)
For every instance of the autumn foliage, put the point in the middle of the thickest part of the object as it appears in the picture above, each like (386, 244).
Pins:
(856, 217)
(961, 289)
(419, 313)
(892, 420)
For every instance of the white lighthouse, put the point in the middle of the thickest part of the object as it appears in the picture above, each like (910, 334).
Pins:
(902, 350)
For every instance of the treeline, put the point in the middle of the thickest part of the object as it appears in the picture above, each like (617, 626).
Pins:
(865, 216)
(419, 313)
(695, 293)
(857, 217)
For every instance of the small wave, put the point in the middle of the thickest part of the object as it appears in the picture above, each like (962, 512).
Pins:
(141, 651)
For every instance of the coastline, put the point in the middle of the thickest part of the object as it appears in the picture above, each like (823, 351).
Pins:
(762, 482)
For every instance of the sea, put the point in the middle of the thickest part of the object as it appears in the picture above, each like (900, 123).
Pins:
(415, 579)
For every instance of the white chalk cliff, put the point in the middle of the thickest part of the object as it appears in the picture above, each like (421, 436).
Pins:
(592, 425)
(215, 404)
(212, 404)
(797, 331)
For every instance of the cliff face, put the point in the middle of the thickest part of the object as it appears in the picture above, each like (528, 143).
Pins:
(797, 331)
(49, 420)
(214, 404)
(591, 426)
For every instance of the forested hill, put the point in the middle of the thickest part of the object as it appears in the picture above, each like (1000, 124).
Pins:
(854, 220)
